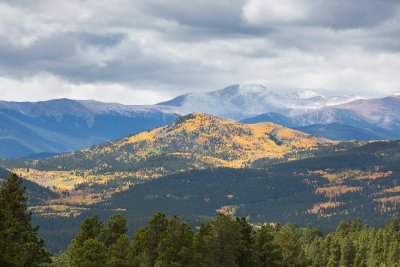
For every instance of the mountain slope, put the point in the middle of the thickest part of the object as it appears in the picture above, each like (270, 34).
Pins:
(36, 194)
(380, 113)
(65, 125)
(362, 119)
(358, 182)
(333, 131)
(338, 131)
(344, 181)
(195, 141)
(270, 117)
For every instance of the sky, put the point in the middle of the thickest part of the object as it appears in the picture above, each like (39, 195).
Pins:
(147, 51)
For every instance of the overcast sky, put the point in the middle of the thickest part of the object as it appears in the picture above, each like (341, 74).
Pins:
(146, 51)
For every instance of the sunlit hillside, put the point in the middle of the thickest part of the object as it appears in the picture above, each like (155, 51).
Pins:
(195, 141)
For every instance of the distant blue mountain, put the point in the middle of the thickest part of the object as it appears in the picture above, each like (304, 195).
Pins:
(337, 131)
(355, 130)
(64, 125)
(270, 117)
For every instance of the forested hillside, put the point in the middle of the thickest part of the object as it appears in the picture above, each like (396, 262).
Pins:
(223, 240)
(195, 141)
(36, 194)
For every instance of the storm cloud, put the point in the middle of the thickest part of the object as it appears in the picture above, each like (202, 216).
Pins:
(145, 51)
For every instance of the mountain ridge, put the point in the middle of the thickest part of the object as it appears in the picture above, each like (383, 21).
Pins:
(65, 125)
(241, 101)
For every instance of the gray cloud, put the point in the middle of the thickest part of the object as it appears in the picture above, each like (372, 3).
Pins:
(177, 46)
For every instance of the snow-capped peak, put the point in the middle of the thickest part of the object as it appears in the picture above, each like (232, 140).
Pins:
(252, 88)
(304, 94)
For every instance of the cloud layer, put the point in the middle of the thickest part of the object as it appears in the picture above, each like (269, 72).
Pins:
(145, 51)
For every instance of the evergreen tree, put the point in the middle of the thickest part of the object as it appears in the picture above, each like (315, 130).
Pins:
(92, 253)
(4, 235)
(225, 234)
(267, 252)
(175, 248)
(288, 238)
(246, 250)
(20, 245)
(118, 252)
(347, 253)
(116, 227)
(91, 228)
(334, 253)
(202, 249)
(144, 246)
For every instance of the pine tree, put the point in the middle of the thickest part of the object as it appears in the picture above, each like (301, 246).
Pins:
(116, 227)
(118, 252)
(267, 252)
(175, 247)
(92, 253)
(226, 241)
(4, 235)
(144, 245)
(347, 253)
(246, 250)
(288, 238)
(334, 253)
(91, 228)
(202, 249)
(22, 246)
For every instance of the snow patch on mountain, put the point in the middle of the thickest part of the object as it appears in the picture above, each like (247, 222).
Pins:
(242, 101)
(304, 94)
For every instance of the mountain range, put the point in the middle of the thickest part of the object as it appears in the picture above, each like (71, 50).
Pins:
(239, 102)
(31, 129)
(41, 129)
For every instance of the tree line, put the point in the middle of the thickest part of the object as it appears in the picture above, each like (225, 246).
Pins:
(227, 241)
(169, 241)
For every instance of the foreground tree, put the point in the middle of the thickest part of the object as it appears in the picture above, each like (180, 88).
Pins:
(144, 245)
(226, 241)
(98, 245)
(175, 247)
(268, 253)
(20, 244)
(246, 251)
(218, 243)
(92, 253)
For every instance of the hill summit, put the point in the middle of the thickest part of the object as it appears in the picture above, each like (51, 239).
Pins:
(207, 140)
(194, 141)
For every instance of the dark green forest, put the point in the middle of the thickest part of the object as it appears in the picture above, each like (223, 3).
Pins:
(170, 241)
(19, 242)
(228, 241)
(273, 192)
